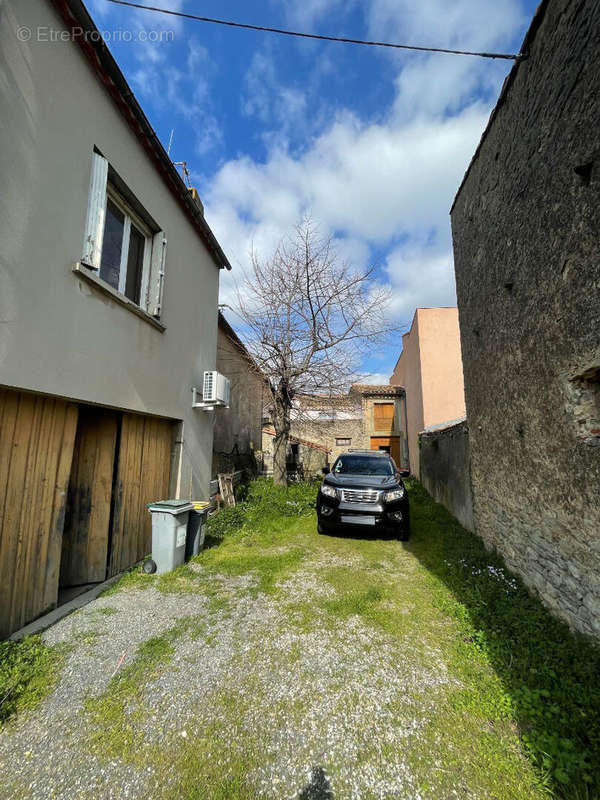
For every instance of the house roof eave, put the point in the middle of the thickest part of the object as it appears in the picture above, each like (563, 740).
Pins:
(84, 32)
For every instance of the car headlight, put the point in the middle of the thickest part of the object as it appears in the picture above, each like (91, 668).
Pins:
(328, 491)
(395, 494)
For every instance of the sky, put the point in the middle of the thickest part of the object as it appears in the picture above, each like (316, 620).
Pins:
(371, 143)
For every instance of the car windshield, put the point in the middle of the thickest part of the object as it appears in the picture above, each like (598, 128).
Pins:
(362, 465)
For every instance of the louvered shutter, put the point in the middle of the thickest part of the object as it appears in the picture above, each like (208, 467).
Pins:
(96, 212)
(157, 274)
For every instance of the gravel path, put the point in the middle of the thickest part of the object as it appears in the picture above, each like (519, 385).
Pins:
(325, 710)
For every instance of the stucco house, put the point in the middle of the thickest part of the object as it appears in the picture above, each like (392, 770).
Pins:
(238, 429)
(109, 279)
(430, 371)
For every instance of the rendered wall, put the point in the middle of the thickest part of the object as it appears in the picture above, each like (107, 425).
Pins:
(58, 335)
(430, 371)
(526, 227)
(445, 470)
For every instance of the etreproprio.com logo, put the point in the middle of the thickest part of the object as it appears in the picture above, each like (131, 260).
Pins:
(44, 33)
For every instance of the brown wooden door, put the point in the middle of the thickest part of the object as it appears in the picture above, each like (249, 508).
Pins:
(144, 465)
(87, 522)
(385, 442)
(37, 435)
(383, 417)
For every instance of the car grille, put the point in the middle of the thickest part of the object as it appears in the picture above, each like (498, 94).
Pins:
(360, 495)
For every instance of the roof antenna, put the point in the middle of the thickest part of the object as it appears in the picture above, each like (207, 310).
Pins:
(185, 173)
(170, 141)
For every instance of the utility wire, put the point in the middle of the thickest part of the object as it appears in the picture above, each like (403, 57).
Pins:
(281, 31)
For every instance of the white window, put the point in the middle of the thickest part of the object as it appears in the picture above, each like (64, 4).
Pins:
(125, 249)
(342, 442)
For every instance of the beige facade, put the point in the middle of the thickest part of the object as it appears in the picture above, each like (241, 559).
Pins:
(238, 429)
(430, 371)
(104, 328)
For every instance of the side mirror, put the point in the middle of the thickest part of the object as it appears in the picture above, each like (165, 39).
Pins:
(404, 473)
(325, 470)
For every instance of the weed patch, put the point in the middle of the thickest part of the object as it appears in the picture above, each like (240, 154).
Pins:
(28, 672)
(547, 676)
(115, 734)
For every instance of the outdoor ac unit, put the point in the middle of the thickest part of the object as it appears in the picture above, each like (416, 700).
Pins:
(215, 389)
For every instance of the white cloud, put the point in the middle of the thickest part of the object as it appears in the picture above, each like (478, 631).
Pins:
(420, 276)
(370, 184)
(381, 185)
(375, 378)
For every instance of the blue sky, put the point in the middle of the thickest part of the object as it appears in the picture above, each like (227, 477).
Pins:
(372, 143)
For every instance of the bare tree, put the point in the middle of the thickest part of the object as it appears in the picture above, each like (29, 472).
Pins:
(309, 318)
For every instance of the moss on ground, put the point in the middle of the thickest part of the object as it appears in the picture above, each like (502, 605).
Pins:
(29, 670)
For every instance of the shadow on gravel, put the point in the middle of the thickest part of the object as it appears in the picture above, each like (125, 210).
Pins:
(550, 674)
(318, 788)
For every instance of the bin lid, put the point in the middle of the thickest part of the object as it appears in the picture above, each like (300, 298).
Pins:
(170, 506)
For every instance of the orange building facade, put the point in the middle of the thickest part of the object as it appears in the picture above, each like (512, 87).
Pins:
(431, 373)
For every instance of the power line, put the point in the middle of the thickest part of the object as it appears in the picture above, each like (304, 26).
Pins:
(321, 37)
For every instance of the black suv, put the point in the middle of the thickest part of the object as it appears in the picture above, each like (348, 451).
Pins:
(364, 490)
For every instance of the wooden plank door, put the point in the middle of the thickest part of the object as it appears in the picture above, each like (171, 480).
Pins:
(383, 417)
(144, 466)
(37, 436)
(87, 522)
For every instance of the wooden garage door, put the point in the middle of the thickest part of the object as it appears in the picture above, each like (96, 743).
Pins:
(142, 477)
(87, 522)
(36, 447)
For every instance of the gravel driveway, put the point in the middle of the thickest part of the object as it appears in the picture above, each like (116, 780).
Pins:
(218, 684)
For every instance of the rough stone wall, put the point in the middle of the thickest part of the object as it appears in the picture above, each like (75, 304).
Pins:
(446, 472)
(325, 432)
(237, 429)
(526, 227)
(312, 459)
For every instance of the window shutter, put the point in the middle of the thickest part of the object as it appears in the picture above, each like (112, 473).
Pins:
(96, 212)
(157, 274)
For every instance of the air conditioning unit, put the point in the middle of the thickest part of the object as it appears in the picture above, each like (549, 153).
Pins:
(215, 391)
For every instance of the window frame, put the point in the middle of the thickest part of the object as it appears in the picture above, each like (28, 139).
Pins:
(343, 441)
(107, 185)
(116, 197)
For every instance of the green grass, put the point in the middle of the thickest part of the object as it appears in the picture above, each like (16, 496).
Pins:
(517, 718)
(29, 670)
(547, 678)
(115, 734)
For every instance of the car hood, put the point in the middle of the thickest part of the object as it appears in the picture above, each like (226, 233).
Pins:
(361, 481)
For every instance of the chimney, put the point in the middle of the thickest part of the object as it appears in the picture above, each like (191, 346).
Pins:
(196, 198)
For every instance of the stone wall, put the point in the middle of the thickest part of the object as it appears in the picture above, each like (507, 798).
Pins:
(310, 457)
(526, 227)
(237, 429)
(327, 432)
(446, 470)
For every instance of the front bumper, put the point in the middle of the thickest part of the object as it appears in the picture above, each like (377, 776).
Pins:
(362, 517)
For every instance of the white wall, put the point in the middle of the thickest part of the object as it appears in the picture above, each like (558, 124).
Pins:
(58, 335)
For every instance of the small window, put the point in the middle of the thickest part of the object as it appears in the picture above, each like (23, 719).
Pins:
(126, 249)
(341, 442)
